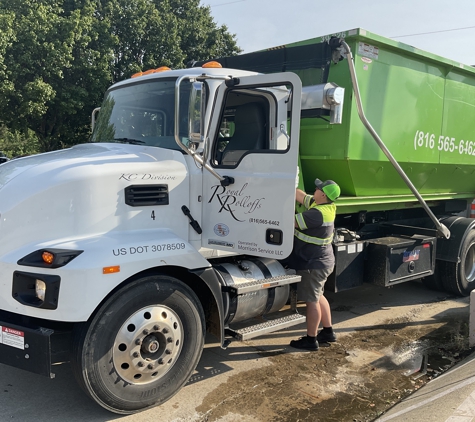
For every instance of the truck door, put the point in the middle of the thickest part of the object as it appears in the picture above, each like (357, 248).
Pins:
(254, 143)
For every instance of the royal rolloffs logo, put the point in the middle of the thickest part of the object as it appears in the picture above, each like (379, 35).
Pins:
(235, 201)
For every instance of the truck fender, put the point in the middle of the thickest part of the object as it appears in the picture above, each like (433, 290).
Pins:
(209, 276)
(450, 249)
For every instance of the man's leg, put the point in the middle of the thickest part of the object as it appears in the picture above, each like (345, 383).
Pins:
(325, 313)
(326, 335)
(310, 289)
(314, 315)
(309, 342)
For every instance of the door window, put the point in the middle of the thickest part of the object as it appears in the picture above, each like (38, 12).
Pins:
(244, 128)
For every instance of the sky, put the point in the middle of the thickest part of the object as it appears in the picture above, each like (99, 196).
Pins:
(442, 27)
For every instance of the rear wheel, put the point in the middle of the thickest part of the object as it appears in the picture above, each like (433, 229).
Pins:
(434, 281)
(142, 345)
(459, 277)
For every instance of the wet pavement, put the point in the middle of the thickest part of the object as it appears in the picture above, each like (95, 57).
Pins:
(448, 398)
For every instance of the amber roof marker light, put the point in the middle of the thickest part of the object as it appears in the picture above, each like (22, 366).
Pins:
(150, 71)
(212, 65)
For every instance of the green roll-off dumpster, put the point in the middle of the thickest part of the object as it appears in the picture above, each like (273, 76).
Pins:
(422, 107)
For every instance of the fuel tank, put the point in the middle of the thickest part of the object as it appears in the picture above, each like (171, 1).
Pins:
(259, 302)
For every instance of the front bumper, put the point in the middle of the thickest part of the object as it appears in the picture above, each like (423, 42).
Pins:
(32, 347)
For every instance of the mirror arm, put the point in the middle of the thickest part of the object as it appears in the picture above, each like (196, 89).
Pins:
(93, 118)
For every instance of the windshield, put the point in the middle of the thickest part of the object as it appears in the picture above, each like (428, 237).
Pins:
(143, 114)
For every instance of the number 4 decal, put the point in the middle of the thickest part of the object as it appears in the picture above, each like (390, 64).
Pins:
(152, 216)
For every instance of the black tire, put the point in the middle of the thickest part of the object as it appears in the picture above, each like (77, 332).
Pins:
(141, 346)
(434, 281)
(459, 278)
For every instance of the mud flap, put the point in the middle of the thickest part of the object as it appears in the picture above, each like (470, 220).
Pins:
(26, 348)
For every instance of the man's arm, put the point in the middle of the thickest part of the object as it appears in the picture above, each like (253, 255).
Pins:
(299, 196)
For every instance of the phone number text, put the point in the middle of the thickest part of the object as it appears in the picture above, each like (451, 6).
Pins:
(443, 143)
(262, 221)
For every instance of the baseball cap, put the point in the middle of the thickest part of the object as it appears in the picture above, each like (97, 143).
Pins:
(329, 187)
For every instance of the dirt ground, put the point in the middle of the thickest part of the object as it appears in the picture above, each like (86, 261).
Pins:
(391, 341)
(356, 379)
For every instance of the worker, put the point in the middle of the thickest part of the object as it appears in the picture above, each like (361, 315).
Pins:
(312, 258)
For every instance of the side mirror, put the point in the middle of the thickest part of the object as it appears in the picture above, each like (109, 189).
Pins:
(196, 113)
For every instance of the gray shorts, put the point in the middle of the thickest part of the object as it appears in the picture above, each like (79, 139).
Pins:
(310, 287)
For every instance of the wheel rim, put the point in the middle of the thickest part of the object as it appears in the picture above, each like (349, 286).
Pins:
(148, 344)
(470, 263)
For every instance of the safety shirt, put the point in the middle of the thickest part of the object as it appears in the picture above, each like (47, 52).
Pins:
(313, 236)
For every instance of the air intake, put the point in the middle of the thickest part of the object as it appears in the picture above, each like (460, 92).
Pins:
(143, 195)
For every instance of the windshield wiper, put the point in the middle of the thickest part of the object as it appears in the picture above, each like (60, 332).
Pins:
(129, 141)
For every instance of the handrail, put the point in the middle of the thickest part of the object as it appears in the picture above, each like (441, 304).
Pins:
(442, 229)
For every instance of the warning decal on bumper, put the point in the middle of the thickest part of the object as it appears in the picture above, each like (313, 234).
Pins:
(11, 337)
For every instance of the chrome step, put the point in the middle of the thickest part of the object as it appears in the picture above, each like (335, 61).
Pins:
(265, 283)
(266, 327)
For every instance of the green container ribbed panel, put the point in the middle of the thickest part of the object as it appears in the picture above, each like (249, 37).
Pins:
(423, 108)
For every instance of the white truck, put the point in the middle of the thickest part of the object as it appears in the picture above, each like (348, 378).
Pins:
(119, 254)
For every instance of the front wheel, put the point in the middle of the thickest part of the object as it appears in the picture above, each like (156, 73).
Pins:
(141, 346)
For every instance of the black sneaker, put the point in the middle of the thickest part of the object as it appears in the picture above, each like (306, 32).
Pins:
(304, 343)
(326, 337)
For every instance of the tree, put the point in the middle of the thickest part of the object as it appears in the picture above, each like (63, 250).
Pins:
(7, 37)
(144, 36)
(57, 57)
(16, 144)
(200, 37)
(46, 70)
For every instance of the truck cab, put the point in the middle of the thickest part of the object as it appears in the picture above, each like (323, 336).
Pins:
(118, 254)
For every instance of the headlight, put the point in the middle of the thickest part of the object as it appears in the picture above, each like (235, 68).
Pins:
(37, 290)
(40, 288)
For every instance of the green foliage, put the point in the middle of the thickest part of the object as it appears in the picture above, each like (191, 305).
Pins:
(48, 82)
(105, 130)
(7, 37)
(200, 37)
(16, 144)
(144, 36)
(57, 57)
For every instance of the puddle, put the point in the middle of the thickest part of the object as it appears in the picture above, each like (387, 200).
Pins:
(408, 359)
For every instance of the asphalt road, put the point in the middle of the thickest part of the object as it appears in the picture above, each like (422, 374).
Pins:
(27, 397)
